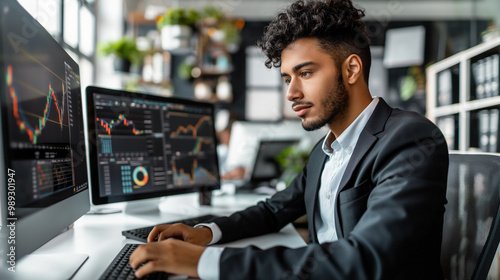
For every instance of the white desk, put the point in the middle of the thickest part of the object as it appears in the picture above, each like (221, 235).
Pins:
(99, 236)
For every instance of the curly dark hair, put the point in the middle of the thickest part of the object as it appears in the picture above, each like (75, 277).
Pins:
(336, 24)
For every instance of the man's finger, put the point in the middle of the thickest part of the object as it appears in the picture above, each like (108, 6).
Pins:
(156, 231)
(141, 254)
(146, 269)
(176, 231)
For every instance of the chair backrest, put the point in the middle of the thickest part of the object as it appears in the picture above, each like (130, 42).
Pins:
(471, 229)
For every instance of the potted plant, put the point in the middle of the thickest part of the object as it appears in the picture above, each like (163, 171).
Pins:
(176, 27)
(291, 161)
(220, 29)
(125, 52)
(232, 36)
(212, 14)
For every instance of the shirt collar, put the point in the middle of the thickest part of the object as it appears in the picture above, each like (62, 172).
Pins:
(349, 137)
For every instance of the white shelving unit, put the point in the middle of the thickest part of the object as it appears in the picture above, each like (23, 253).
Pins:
(458, 102)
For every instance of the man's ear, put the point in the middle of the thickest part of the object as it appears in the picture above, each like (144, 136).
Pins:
(353, 69)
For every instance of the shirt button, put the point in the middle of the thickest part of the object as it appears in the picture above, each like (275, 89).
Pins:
(337, 164)
(327, 196)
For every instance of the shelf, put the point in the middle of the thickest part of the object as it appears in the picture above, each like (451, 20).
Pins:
(213, 72)
(467, 123)
(448, 110)
(482, 103)
(467, 106)
(465, 55)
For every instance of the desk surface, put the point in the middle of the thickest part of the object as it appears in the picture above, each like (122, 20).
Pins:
(99, 236)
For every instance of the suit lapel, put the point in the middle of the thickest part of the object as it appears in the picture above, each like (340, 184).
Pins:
(366, 140)
(315, 173)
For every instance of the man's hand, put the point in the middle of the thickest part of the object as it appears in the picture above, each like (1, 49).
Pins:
(199, 236)
(236, 173)
(172, 256)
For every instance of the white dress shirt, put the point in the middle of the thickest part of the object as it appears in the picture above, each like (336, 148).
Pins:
(339, 152)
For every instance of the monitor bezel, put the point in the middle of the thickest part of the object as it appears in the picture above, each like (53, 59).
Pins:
(92, 148)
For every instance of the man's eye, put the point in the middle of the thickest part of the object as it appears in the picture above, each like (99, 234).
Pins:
(305, 74)
(287, 81)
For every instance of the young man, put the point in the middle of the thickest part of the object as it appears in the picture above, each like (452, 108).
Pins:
(373, 189)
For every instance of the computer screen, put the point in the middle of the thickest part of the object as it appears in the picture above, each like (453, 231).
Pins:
(143, 146)
(43, 168)
(266, 167)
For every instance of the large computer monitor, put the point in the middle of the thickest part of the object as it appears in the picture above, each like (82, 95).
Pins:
(143, 146)
(43, 172)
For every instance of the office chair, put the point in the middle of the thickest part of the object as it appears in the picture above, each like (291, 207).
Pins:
(471, 229)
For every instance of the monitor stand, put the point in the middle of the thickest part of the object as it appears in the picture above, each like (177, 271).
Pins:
(100, 210)
(205, 197)
(143, 207)
(159, 208)
(46, 266)
(150, 206)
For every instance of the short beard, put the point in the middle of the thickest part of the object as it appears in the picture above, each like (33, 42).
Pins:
(334, 104)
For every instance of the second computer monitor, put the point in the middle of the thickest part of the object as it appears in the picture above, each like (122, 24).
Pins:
(144, 146)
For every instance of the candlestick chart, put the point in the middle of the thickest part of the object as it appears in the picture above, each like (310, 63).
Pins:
(38, 108)
(122, 120)
(122, 129)
(44, 128)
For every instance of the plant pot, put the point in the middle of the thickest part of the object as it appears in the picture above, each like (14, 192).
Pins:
(175, 37)
(121, 65)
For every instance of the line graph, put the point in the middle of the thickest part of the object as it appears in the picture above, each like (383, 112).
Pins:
(35, 130)
(185, 128)
(198, 146)
(108, 126)
(191, 133)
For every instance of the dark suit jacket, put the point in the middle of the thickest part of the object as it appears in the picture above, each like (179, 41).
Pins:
(389, 212)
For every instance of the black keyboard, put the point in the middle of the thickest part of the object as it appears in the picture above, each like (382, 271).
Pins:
(141, 234)
(120, 269)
